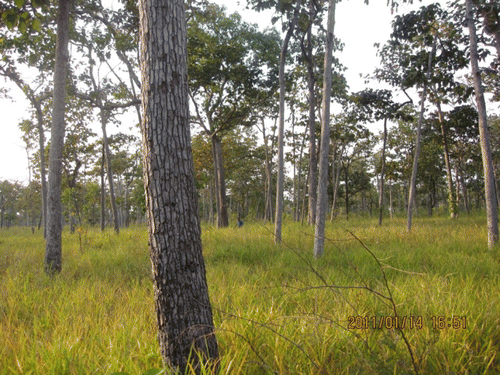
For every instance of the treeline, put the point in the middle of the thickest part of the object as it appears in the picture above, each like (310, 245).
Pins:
(353, 189)
(233, 86)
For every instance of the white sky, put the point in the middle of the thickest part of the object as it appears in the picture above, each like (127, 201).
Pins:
(358, 25)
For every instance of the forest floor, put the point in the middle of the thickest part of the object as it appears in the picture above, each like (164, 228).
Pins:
(380, 301)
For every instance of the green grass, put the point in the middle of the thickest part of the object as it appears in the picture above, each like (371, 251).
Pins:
(276, 308)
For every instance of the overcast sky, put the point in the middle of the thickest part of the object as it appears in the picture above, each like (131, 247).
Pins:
(358, 25)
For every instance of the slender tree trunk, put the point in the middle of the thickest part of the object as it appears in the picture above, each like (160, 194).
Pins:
(382, 176)
(452, 202)
(220, 179)
(268, 209)
(109, 171)
(319, 235)
(281, 133)
(43, 177)
(103, 192)
(313, 162)
(53, 244)
(413, 183)
(484, 137)
(184, 315)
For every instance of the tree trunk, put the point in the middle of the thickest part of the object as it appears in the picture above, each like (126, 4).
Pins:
(313, 163)
(53, 244)
(413, 183)
(452, 202)
(484, 137)
(281, 132)
(382, 175)
(322, 197)
(184, 314)
(220, 182)
(110, 171)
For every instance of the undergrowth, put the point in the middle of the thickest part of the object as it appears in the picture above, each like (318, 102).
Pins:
(277, 310)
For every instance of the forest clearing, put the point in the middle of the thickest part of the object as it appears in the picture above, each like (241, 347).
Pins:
(277, 309)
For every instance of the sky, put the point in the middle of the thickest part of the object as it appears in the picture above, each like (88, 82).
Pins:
(358, 25)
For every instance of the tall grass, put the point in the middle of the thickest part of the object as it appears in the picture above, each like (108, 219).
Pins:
(276, 308)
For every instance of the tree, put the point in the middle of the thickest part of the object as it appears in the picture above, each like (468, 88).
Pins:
(319, 235)
(232, 69)
(53, 246)
(488, 170)
(184, 315)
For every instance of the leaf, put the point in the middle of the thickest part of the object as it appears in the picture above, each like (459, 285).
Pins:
(37, 25)
(19, 3)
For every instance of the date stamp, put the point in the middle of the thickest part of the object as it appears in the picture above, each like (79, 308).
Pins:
(437, 322)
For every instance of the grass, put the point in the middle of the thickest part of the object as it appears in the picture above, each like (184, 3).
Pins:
(276, 308)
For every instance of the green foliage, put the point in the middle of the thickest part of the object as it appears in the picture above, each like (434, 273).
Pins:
(276, 309)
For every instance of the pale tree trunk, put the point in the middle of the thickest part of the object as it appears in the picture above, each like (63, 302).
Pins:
(268, 209)
(53, 243)
(319, 235)
(103, 192)
(449, 177)
(413, 183)
(313, 162)
(107, 152)
(220, 182)
(382, 176)
(484, 137)
(281, 133)
(43, 177)
(184, 314)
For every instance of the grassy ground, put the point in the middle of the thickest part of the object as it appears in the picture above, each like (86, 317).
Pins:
(277, 310)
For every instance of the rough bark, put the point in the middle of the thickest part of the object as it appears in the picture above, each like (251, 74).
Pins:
(184, 314)
(484, 137)
(281, 132)
(322, 197)
(53, 244)
(413, 182)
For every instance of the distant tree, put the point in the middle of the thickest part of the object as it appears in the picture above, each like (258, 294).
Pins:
(184, 315)
(232, 71)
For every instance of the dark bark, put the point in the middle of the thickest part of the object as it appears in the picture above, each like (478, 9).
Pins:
(184, 314)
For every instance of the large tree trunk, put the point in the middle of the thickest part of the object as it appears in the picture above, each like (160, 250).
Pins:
(184, 314)
(53, 244)
(413, 183)
(104, 119)
(319, 235)
(281, 132)
(220, 182)
(489, 174)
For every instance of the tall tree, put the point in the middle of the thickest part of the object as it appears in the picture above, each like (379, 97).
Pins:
(53, 245)
(228, 62)
(184, 315)
(278, 222)
(488, 170)
(319, 235)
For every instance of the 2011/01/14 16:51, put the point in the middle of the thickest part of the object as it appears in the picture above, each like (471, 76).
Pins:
(403, 322)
